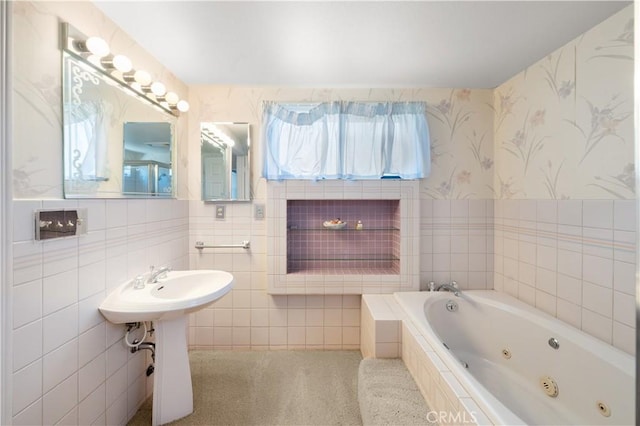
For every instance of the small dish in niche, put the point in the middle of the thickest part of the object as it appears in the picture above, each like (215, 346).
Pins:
(334, 224)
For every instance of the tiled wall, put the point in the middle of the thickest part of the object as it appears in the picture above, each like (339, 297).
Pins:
(249, 318)
(456, 243)
(404, 192)
(574, 259)
(373, 249)
(69, 364)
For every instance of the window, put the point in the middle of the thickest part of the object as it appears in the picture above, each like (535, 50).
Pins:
(345, 140)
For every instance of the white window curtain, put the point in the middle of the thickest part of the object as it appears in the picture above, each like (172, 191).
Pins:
(345, 140)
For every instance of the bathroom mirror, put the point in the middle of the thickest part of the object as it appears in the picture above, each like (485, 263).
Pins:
(117, 143)
(225, 149)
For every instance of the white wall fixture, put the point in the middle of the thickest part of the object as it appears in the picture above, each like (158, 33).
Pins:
(96, 51)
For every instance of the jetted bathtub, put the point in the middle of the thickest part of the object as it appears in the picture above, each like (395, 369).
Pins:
(522, 366)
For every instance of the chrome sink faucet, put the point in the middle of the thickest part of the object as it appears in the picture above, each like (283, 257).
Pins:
(157, 273)
(453, 287)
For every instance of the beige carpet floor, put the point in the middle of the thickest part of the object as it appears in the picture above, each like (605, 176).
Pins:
(271, 388)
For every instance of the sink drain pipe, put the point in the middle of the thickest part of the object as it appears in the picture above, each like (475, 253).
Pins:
(140, 344)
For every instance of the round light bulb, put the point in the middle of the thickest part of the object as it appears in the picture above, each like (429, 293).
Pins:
(183, 106)
(172, 98)
(122, 63)
(158, 88)
(142, 77)
(97, 46)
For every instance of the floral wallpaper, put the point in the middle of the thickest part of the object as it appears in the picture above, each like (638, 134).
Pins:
(460, 124)
(563, 127)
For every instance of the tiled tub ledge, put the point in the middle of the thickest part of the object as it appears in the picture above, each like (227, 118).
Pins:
(387, 332)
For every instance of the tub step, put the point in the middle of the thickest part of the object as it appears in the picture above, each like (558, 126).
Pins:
(388, 395)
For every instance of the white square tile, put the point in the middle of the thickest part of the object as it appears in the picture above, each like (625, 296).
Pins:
(527, 252)
(88, 314)
(528, 210)
(60, 400)
(459, 244)
(477, 262)
(597, 214)
(597, 299)
(460, 262)
(59, 255)
(597, 325)
(27, 386)
(27, 262)
(570, 212)
(92, 343)
(624, 338)
(624, 277)
(597, 270)
(92, 247)
(547, 211)
(92, 406)
(30, 416)
(117, 355)
(624, 215)
(96, 213)
(570, 263)
(546, 302)
(27, 303)
(624, 308)
(59, 364)
(569, 288)
(59, 327)
(24, 219)
(116, 385)
(569, 312)
(116, 213)
(546, 280)
(27, 344)
(547, 257)
(59, 291)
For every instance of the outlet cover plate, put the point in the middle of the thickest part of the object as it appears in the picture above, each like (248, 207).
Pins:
(258, 212)
(221, 212)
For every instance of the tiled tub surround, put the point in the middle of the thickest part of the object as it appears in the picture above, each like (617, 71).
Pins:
(456, 243)
(574, 259)
(404, 193)
(69, 364)
(374, 249)
(387, 332)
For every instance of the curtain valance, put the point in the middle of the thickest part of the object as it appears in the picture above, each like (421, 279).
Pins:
(345, 140)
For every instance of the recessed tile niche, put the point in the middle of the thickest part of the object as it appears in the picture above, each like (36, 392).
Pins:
(303, 257)
(369, 243)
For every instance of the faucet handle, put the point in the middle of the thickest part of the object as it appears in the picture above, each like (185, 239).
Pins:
(139, 282)
(432, 286)
(454, 284)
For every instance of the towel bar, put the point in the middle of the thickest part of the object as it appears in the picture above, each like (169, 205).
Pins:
(246, 244)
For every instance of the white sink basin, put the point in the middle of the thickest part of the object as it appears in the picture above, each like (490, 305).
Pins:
(180, 293)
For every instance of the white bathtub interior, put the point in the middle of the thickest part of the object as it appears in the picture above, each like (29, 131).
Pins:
(505, 344)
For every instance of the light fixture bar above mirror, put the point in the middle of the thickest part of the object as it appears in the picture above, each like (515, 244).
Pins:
(96, 52)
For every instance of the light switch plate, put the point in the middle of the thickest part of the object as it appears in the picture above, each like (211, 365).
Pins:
(258, 212)
(221, 212)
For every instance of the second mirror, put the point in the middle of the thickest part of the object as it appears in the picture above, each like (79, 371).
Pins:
(224, 148)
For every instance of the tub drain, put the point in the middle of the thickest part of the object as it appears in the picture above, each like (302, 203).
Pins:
(603, 409)
(549, 386)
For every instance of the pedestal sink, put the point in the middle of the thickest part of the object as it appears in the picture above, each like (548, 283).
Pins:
(167, 304)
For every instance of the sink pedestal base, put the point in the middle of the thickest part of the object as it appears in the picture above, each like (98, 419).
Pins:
(172, 389)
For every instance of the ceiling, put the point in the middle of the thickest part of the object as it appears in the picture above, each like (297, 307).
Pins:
(475, 44)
